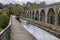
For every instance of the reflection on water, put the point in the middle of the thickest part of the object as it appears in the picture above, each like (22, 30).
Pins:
(37, 32)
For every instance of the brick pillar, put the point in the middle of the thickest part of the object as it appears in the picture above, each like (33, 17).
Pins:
(46, 17)
(29, 14)
(34, 15)
(56, 20)
(39, 15)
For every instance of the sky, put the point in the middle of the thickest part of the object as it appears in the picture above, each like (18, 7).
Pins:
(48, 1)
(24, 1)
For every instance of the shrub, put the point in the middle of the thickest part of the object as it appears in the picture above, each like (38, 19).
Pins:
(4, 19)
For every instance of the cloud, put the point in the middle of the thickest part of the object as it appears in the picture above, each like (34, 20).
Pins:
(24, 1)
(7, 1)
(38, 1)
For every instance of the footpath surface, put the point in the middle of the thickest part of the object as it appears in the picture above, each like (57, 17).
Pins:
(18, 32)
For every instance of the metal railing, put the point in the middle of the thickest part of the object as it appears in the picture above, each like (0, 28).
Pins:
(5, 34)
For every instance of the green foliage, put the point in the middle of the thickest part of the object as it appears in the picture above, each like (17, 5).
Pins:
(43, 3)
(4, 19)
(24, 15)
(5, 11)
(30, 6)
(56, 11)
(14, 8)
(1, 5)
(1, 29)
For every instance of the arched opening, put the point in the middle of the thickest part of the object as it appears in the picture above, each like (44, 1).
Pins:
(42, 16)
(51, 16)
(59, 19)
(33, 15)
(37, 15)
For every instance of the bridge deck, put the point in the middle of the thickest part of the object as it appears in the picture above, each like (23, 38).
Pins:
(18, 32)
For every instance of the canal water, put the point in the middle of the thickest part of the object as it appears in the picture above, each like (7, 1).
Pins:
(37, 32)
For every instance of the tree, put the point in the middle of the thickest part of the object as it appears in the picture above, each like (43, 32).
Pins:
(43, 3)
(5, 11)
(1, 5)
(4, 19)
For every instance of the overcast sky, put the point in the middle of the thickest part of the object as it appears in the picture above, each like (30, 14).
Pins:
(24, 1)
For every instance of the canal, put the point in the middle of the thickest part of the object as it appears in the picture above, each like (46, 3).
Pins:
(40, 34)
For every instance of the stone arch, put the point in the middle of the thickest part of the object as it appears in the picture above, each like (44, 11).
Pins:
(59, 19)
(32, 14)
(37, 15)
(42, 16)
(51, 16)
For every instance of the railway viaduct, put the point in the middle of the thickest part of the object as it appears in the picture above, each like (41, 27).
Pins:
(46, 18)
(47, 14)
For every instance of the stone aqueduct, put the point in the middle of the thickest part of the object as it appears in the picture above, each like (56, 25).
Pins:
(48, 14)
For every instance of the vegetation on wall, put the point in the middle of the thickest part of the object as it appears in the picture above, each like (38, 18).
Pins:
(56, 10)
